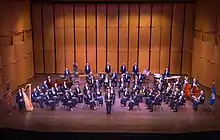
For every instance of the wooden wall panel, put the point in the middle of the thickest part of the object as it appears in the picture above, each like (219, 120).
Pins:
(101, 37)
(133, 35)
(37, 38)
(156, 37)
(123, 35)
(144, 39)
(196, 58)
(177, 31)
(165, 36)
(69, 35)
(188, 40)
(80, 36)
(59, 37)
(48, 35)
(112, 35)
(91, 36)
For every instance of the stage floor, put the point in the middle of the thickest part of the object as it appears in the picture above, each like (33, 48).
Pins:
(121, 120)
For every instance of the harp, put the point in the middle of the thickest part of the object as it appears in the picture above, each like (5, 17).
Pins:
(26, 91)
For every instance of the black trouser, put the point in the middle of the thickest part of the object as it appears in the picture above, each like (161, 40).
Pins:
(195, 105)
(80, 98)
(152, 105)
(108, 107)
(52, 105)
(21, 105)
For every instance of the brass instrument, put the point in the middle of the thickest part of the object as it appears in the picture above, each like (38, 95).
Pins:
(27, 97)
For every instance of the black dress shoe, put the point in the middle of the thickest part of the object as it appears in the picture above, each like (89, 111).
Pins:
(151, 110)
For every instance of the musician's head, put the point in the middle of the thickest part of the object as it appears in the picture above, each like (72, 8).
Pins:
(19, 90)
(194, 79)
(45, 82)
(169, 84)
(38, 86)
(158, 92)
(167, 69)
(48, 77)
(186, 77)
(201, 92)
(177, 89)
(64, 82)
(182, 93)
(34, 89)
(108, 90)
(52, 88)
(87, 63)
(127, 72)
(66, 68)
(108, 63)
(90, 73)
(123, 63)
(151, 90)
(55, 84)
(135, 64)
(77, 85)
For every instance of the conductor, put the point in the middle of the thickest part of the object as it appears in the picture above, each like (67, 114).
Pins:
(108, 101)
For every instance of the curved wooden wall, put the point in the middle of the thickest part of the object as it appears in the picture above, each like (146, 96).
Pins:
(153, 35)
(16, 53)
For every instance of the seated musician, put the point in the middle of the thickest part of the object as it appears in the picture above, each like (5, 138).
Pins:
(66, 73)
(54, 96)
(78, 93)
(110, 83)
(140, 78)
(106, 81)
(135, 69)
(114, 78)
(167, 93)
(175, 96)
(87, 69)
(159, 85)
(45, 87)
(88, 78)
(64, 87)
(166, 72)
(112, 90)
(157, 100)
(67, 101)
(180, 101)
(185, 81)
(97, 85)
(122, 88)
(123, 69)
(86, 88)
(39, 91)
(198, 100)
(125, 98)
(73, 98)
(102, 78)
(20, 100)
(194, 85)
(49, 101)
(144, 91)
(127, 78)
(108, 68)
(178, 84)
(135, 100)
(89, 100)
(98, 97)
(49, 79)
(149, 98)
(37, 98)
(135, 87)
(58, 91)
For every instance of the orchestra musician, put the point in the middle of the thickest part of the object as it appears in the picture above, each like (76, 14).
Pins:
(140, 78)
(144, 91)
(112, 90)
(127, 78)
(194, 89)
(125, 98)
(75, 67)
(108, 101)
(98, 97)
(166, 72)
(108, 68)
(20, 100)
(175, 95)
(89, 100)
(121, 87)
(134, 101)
(167, 93)
(87, 69)
(86, 88)
(49, 101)
(181, 101)
(114, 78)
(64, 87)
(102, 78)
(213, 87)
(45, 87)
(37, 98)
(178, 83)
(123, 69)
(198, 100)
(67, 101)
(135, 69)
(66, 73)
(157, 100)
(79, 94)
(58, 91)
(149, 97)
(49, 79)
(97, 85)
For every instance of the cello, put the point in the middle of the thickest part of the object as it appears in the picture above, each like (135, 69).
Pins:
(186, 87)
(195, 88)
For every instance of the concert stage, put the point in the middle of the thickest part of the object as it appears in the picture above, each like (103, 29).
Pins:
(121, 120)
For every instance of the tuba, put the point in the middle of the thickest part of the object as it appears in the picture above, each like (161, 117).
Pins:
(27, 97)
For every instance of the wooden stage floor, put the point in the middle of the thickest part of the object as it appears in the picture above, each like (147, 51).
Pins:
(121, 120)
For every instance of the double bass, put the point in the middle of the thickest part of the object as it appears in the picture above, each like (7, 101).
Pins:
(187, 90)
(195, 91)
